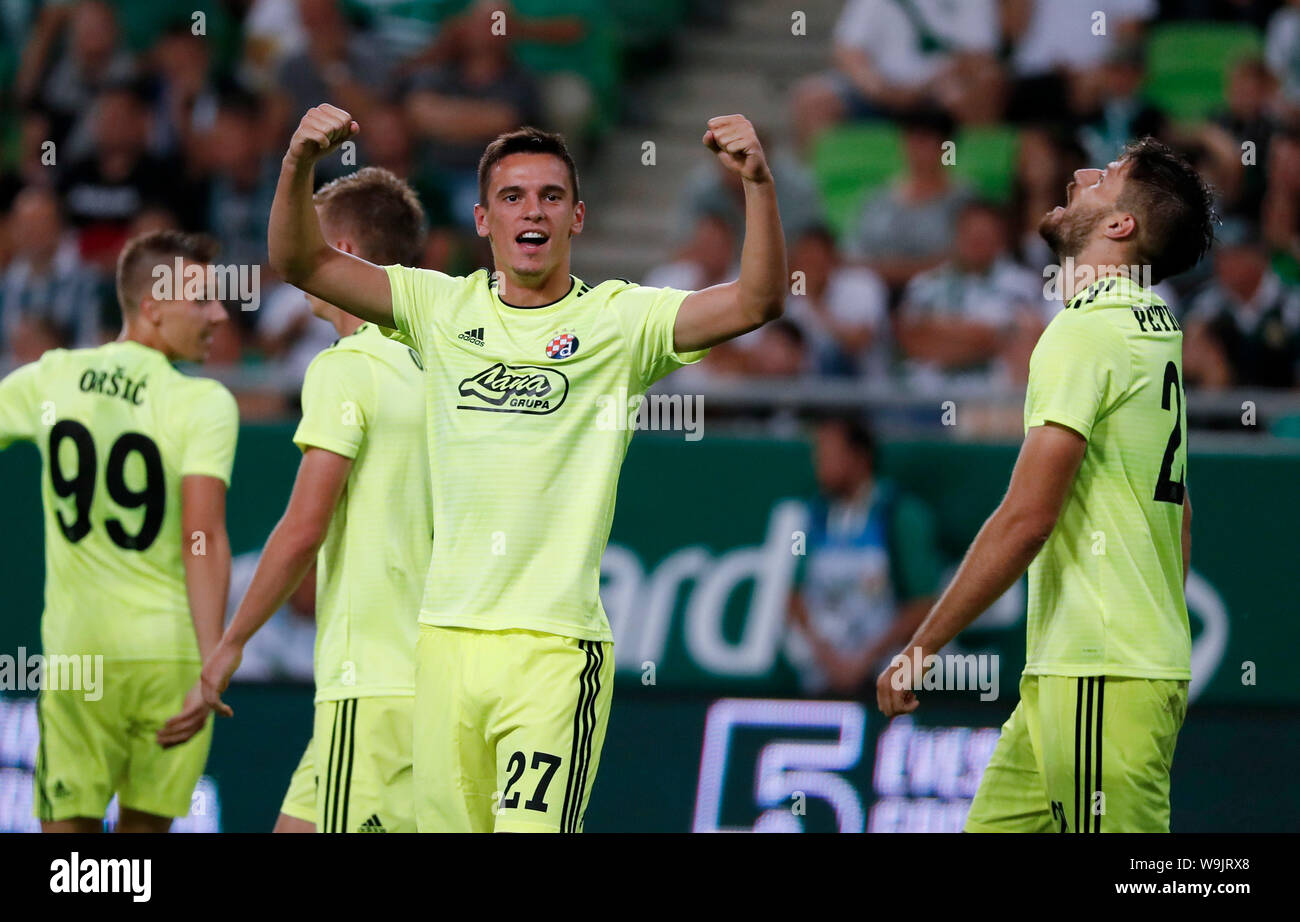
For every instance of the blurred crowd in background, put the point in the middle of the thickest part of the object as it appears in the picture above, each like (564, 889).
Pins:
(913, 271)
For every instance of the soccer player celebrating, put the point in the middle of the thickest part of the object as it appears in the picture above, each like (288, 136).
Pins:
(361, 509)
(1098, 502)
(136, 458)
(514, 660)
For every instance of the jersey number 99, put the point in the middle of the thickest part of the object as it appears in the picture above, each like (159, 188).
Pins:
(80, 485)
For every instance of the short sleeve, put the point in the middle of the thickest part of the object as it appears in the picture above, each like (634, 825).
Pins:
(18, 409)
(338, 403)
(1077, 372)
(212, 428)
(648, 317)
(416, 294)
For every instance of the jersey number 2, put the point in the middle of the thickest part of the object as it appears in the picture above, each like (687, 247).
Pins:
(1169, 490)
(81, 485)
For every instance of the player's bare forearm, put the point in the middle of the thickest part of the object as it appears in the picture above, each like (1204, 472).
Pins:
(1001, 552)
(205, 550)
(297, 249)
(289, 552)
(762, 257)
(1012, 536)
(999, 556)
(287, 557)
(722, 312)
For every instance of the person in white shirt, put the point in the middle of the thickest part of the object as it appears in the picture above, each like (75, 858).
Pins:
(955, 320)
(891, 56)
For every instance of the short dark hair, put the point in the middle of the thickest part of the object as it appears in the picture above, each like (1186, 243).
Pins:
(525, 140)
(1173, 205)
(142, 254)
(380, 212)
(856, 431)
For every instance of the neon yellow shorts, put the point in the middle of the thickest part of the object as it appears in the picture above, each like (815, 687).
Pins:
(92, 749)
(508, 728)
(1086, 754)
(300, 799)
(365, 745)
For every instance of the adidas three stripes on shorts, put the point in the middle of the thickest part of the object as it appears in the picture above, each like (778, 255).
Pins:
(509, 727)
(1083, 754)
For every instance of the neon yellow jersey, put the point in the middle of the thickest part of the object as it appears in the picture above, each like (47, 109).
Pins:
(1106, 591)
(524, 444)
(118, 428)
(363, 398)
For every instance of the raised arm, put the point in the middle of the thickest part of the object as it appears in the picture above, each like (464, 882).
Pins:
(288, 555)
(714, 315)
(296, 246)
(1000, 553)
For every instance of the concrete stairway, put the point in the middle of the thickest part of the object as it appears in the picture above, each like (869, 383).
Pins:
(748, 68)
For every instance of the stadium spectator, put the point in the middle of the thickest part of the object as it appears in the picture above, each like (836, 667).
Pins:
(459, 107)
(104, 191)
(1280, 214)
(1282, 51)
(242, 184)
(955, 321)
(91, 59)
(907, 226)
(1059, 50)
(48, 297)
(891, 57)
(1244, 329)
(870, 571)
(185, 98)
(1116, 112)
(330, 64)
(708, 258)
(34, 161)
(1248, 117)
(1046, 159)
(714, 190)
(273, 32)
(781, 351)
(842, 310)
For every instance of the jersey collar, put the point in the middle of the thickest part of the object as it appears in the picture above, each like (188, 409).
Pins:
(576, 288)
(1114, 288)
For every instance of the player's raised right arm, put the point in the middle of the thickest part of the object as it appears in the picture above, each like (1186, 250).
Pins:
(297, 248)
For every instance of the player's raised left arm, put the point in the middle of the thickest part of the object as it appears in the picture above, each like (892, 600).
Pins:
(999, 555)
(721, 312)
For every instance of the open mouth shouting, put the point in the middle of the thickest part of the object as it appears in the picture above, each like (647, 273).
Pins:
(532, 241)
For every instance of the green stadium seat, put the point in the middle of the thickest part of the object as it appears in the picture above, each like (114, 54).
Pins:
(850, 160)
(1188, 63)
(986, 159)
(596, 57)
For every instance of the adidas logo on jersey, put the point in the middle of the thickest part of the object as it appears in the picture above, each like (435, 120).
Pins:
(372, 825)
(473, 336)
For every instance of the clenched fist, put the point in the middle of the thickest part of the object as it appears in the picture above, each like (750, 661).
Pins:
(320, 132)
(735, 141)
